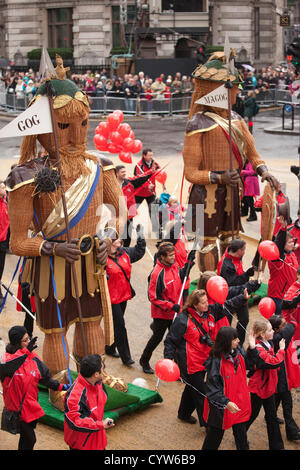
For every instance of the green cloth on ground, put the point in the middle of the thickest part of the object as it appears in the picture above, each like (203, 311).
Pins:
(118, 403)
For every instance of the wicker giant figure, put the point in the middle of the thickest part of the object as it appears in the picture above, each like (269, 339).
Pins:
(89, 182)
(207, 160)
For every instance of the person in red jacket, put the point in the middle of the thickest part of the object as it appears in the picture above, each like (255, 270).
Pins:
(288, 373)
(21, 370)
(84, 426)
(280, 199)
(118, 271)
(283, 271)
(263, 378)
(130, 187)
(227, 403)
(190, 340)
(165, 284)
(295, 231)
(230, 267)
(291, 309)
(148, 191)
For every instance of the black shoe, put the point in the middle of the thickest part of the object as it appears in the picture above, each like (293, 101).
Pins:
(294, 438)
(252, 217)
(189, 419)
(146, 367)
(112, 354)
(129, 362)
(279, 420)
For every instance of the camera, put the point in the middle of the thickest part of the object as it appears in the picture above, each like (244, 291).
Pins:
(206, 339)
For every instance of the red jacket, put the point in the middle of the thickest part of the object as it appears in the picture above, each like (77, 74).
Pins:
(295, 231)
(119, 286)
(130, 190)
(264, 380)
(293, 314)
(226, 381)
(231, 269)
(20, 374)
(165, 285)
(183, 339)
(84, 409)
(289, 372)
(140, 169)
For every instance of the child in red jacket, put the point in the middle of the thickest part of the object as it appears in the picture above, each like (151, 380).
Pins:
(263, 378)
(288, 373)
(227, 403)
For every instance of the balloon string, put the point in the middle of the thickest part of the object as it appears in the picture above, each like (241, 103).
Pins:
(217, 405)
(239, 322)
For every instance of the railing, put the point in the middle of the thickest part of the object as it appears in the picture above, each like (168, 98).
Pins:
(147, 104)
(272, 96)
(143, 105)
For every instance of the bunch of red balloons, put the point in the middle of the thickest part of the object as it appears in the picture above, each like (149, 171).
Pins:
(116, 136)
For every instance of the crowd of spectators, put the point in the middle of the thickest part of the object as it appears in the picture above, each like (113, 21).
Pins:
(102, 83)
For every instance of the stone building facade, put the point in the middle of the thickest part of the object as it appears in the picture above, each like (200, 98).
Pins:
(253, 28)
(156, 28)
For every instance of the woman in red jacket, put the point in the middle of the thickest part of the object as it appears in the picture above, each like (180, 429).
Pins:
(283, 271)
(288, 373)
(227, 403)
(118, 271)
(21, 370)
(84, 426)
(190, 340)
(263, 378)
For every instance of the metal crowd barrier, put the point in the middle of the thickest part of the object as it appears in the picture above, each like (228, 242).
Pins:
(143, 105)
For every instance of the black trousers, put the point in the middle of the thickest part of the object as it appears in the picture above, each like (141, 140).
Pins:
(27, 435)
(243, 320)
(159, 326)
(126, 237)
(120, 333)
(192, 399)
(285, 398)
(274, 434)
(214, 437)
(2, 264)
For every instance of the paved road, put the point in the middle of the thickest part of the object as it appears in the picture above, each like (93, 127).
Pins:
(156, 427)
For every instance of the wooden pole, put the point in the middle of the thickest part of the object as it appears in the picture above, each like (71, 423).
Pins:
(229, 86)
(63, 198)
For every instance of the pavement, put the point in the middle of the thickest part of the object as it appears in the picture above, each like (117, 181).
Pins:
(157, 426)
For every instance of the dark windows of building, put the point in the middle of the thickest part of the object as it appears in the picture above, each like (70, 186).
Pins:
(123, 29)
(183, 5)
(60, 24)
(256, 33)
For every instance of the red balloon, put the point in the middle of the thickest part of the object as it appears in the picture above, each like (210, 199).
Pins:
(267, 307)
(100, 142)
(116, 138)
(136, 146)
(113, 121)
(102, 129)
(112, 148)
(217, 289)
(127, 144)
(268, 250)
(125, 157)
(131, 135)
(161, 177)
(120, 114)
(167, 370)
(124, 129)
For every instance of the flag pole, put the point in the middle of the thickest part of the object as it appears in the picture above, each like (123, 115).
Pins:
(229, 86)
(50, 93)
